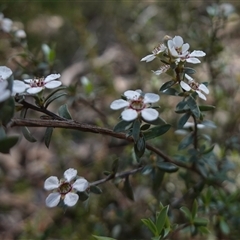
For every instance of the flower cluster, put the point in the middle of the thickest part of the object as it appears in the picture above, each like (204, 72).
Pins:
(137, 103)
(28, 86)
(65, 189)
(175, 54)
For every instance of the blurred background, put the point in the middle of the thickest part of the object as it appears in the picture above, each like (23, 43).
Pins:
(96, 46)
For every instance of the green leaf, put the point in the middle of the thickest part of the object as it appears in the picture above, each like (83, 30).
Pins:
(115, 166)
(7, 109)
(136, 130)
(208, 150)
(87, 85)
(128, 189)
(186, 141)
(83, 196)
(186, 212)
(95, 190)
(53, 98)
(145, 127)
(151, 226)
(156, 131)
(224, 226)
(103, 238)
(193, 106)
(7, 143)
(139, 147)
(2, 133)
(167, 167)
(63, 112)
(203, 230)
(200, 222)
(167, 85)
(194, 209)
(122, 126)
(161, 219)
(48, 136)
(183, 119)
(206, 108)
(171, 91)
(27, 134)
(188, 70)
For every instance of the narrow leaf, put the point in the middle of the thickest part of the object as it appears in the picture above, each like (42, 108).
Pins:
(186, 141)
(63, 112)
(167, 85)
(122, 126)
(156, 131)
(48, 136)
(167, 167)
(139, 147)
(186, 212)
(183, 119)
(27, 134)
(188, 70)
(161, 219)
(7, 143)
(128, 189)
(200, 222)
(103, 238)
(95, 190)
(206, 108)
(151, 226)
(194, 209)
(193, 106)
(136, 130)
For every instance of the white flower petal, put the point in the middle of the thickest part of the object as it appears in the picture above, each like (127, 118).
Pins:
(80, 184)
(202, 96)
(51, 183)
(130, 94)
(185, 86)
(34, 90)
(178, 41)
(129, 114)
(53, 84)
(149, 114)
(70, 174)
(181, 132)
(193, 60)
(148, 58)
(185, 47)
(28, 80)
(7, 24)
(18, 86)
(4, 95)
(71, 199)
(197, 53)
(203, 88)
(52, 77)
(151, 98)
(189, 78)
(173, 52)
(5, 72)
(3, 85)
(118, 104)
(53, 199)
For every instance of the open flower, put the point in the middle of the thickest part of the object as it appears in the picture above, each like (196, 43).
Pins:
(5, 73)
(194, 86)
(65, 189)
(5, 23)
(178, 49)
(157, 50)
(36, 85)
(137, 103)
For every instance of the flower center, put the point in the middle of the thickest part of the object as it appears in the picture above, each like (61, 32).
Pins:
(37, 82)
(137, 104)
(65, 188)
(194, 85)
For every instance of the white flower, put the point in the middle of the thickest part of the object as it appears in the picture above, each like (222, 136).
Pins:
(194, 86)
(159, 49)
(5, 23)
(20, 34)
(162, 69)
(137, 103)
(179, 50)
(18, 87)
(5, 73)
(65, 188)
(36, 85)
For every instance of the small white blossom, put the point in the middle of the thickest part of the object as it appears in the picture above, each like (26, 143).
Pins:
(137, 103)
(5, 73)
(5, 23)
(194, 86)
(162, 69)
(36, 85)
(18, 87)
(20, 34)
(65, 189)
(157, 50)
(178, 49)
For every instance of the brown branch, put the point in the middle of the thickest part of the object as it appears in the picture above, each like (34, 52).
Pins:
(70, 124)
